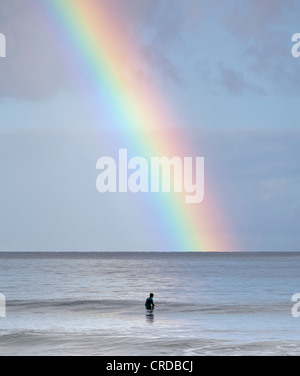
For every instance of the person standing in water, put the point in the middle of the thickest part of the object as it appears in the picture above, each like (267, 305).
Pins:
(149, 304)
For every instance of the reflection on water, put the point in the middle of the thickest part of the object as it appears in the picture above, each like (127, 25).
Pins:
(149, 316)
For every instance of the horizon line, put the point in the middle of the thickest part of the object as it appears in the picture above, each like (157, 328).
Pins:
(194, 252)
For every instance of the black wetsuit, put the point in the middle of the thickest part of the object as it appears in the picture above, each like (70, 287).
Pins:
(149, 303)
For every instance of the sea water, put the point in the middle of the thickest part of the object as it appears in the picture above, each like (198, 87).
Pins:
(93, 303)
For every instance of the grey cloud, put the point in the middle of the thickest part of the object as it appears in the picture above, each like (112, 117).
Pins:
(264, 30)
(159, 28)
(37, 64)
(256, 19)
(159, 62)
(236, 83)
(34, 67)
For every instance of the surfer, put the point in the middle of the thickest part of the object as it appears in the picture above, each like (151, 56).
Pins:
(149, 304)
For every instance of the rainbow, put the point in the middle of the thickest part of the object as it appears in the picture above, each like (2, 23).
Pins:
(95, 35)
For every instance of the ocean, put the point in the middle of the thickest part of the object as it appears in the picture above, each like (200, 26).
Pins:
(92, 303)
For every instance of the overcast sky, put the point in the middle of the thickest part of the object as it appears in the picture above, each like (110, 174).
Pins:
(226, 69)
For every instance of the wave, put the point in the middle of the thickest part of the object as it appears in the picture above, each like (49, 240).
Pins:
(228, 308)
(70, 304)
(62, 343)
(135, 305)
